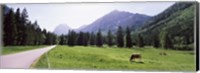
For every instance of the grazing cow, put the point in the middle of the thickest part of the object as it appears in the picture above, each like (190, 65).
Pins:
(135, 56)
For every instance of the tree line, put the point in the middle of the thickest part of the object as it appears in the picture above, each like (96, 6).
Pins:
(121, 39)
(19, 30)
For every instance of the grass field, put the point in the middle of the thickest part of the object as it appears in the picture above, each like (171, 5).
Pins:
(16, 49)
(79, 57)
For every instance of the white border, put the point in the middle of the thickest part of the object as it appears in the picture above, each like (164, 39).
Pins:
(71, 71)
(61, 1)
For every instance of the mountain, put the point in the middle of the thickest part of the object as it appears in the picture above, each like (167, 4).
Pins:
(80, 28)
(61, 29)
(177, 21)
(116, 18)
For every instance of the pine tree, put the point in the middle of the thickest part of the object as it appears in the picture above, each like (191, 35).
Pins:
(48, 40)
(24, 20)
(99, 39)
(92, 39)
(72, 38)
(42, 38)
(140, 41)
(69, 38)
(86, 38)
(80, 39)
(19, 26)
(37, 33)
(156, 42)
(120, 37)
(62, 39)
(10, 29)
(128, 38)
(110, 38)
(167, 43)
(30, 34)
(54, 37)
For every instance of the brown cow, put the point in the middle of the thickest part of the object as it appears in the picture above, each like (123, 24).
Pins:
(135, 56)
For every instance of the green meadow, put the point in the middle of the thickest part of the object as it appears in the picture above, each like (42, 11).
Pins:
(16, 49)
(114, 58)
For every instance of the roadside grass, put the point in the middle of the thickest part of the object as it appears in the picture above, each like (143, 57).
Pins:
(113, 58)
(16, 49)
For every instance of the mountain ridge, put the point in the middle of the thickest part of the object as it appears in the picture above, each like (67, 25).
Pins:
(111, 21)
(62, 29)
(116, 18)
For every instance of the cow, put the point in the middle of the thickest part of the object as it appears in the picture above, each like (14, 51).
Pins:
(135, 56)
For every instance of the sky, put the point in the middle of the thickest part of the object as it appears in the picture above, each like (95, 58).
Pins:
(76, 15)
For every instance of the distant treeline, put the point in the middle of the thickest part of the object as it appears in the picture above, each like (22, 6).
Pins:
(19, 30)
(121, 39)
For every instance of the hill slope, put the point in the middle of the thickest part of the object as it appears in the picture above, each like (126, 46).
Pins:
(177, 21)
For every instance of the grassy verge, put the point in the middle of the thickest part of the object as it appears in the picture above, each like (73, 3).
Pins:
(112, 58)
(16, 49)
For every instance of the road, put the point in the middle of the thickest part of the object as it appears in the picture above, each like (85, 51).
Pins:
(22, 59)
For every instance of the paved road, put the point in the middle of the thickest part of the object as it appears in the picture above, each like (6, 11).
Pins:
(22, 59)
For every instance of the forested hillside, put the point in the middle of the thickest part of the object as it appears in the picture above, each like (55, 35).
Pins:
(175, 24)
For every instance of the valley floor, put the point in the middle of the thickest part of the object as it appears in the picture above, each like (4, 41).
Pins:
(113, 58)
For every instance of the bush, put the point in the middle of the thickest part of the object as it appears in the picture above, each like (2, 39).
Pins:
(184, 47)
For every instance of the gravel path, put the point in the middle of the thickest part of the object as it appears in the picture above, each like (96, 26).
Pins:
(22, 59)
